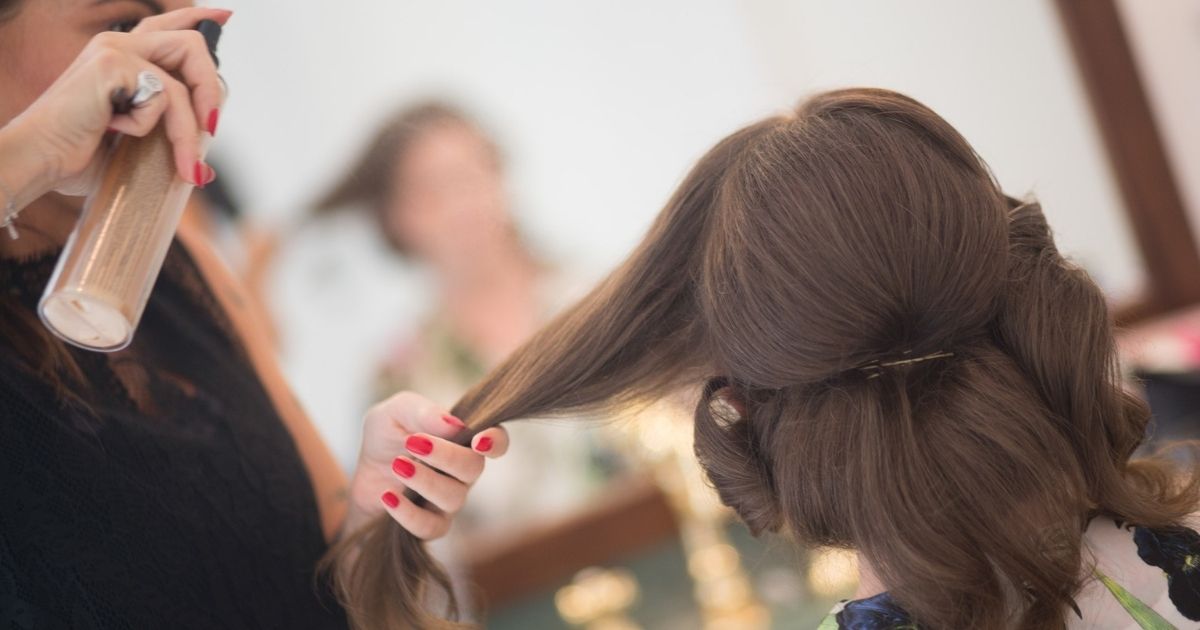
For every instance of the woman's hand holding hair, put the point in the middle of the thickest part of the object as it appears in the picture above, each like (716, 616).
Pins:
(57, 137)
(405, 445)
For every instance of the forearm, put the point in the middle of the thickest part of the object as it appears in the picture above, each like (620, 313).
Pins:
(25, 174)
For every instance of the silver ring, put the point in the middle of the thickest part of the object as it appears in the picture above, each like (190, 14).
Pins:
(148, 86)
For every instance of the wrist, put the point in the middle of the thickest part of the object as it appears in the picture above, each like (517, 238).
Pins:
(356, 515)
(25, 170)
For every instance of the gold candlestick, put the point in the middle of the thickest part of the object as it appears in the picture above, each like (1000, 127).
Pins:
(598, 599)
(662, 436)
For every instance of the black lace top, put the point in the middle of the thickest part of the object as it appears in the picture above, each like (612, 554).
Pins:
(165, 493)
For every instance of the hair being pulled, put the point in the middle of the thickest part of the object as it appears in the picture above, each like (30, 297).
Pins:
(859, 230)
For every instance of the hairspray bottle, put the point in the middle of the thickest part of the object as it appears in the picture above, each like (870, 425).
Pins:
(104, 275)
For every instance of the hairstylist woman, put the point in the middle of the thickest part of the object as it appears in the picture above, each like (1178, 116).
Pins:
(174, 483)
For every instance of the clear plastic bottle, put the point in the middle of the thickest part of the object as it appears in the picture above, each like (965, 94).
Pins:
(107, 270)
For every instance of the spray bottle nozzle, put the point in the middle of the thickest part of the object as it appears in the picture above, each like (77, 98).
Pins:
(212, 34)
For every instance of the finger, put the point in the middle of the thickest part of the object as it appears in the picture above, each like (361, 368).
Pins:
(414, 413)
(422, 523)
(140, 120)
(452, 459)
(437, 421)
(491, 443)
(445, 492)
(186, 54)
(173, 107)
(182, 19)
(180, 123)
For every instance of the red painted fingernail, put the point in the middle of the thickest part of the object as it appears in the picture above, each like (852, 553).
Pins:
(110, 130)
(454, 422)
(199, 174)
(484, 444)
(418, 445)
(403, 467)
(390, 499)
(213, 117)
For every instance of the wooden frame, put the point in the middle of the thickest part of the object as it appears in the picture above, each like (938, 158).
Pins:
(1137, 155)
(631, 516)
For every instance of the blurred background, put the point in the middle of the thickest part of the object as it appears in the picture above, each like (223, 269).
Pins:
(412, 187)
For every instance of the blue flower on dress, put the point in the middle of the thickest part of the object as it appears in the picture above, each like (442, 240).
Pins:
(1176, 551)
(874, 613)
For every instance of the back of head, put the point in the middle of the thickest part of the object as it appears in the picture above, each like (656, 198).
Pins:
(922, 376)
(858, 228)
(918, 373)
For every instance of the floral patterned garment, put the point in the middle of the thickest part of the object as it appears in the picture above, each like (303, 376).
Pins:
(1144, 578)
(569, 465)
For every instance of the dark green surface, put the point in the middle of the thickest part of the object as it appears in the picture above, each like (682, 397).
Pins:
(666, 590)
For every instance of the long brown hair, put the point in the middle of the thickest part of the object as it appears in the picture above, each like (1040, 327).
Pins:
(860, 230)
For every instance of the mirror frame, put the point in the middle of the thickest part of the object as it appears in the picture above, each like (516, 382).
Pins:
(1138, 158)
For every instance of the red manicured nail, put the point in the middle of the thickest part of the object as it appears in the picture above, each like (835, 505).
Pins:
(110, 130)
(213, 117)
(199, 174)
(403, 467)
(390, 499)
(418, 445)
(484, 444)
(454, 422)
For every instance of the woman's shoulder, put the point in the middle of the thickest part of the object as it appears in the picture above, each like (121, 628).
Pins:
(1140, 578)
(336, 271)
(1145, 573)
(343, 236)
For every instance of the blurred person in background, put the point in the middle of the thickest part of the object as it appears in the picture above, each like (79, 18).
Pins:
(411, 273)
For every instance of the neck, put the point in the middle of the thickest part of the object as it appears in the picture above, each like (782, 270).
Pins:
(868, 582)
(505, 269)
(491, 303)
(44, 226)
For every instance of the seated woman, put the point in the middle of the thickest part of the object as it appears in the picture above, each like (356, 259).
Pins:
(412, 274)
(891, 356)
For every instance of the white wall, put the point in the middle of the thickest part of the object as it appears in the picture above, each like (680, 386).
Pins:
(1165, 37)
(603, 106)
